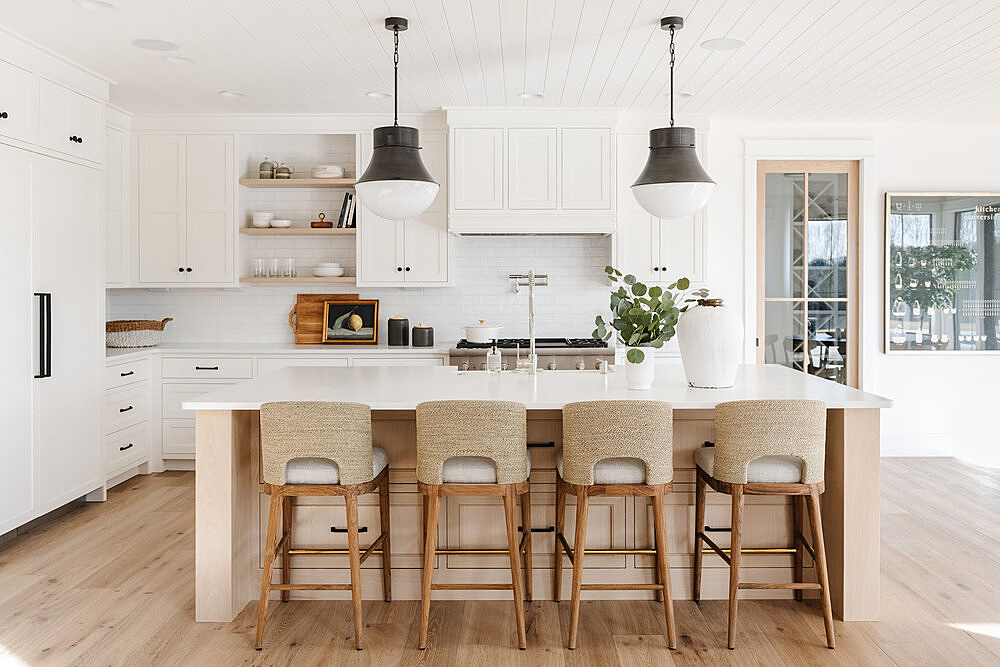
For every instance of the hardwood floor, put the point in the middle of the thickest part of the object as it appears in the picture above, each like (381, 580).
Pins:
(112, 584)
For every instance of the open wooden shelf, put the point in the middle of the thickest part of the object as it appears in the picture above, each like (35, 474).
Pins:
(299, 279)
(298, 231)
(298, 182)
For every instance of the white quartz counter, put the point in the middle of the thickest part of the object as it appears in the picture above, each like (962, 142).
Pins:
(402, 388)
(274, 348)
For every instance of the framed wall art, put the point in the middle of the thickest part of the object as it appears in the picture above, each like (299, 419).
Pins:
(349, 321)
(942, 283)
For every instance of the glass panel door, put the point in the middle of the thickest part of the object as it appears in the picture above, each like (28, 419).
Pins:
(807, 227)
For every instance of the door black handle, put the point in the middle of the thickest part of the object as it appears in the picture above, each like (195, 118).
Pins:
(125, 409)
(541, 444)
(128, 446)
(334, 529)
(3, 114)
(547, 529)
(125, 375)
(44, 334)
(206, 368)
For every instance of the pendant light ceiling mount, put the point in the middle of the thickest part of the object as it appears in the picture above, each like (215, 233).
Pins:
(396, 185)
(673, 184)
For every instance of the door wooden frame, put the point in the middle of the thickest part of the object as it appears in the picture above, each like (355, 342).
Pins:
(852, 168)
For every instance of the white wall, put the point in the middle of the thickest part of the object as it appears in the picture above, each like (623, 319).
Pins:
(943, 404)
(259, 314)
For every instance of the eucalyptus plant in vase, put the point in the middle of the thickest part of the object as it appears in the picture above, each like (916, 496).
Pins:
(644, 318)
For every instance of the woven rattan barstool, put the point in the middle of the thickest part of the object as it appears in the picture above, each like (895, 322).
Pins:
(320, 449)
(614, 448)
(475, 448)
(766, 447)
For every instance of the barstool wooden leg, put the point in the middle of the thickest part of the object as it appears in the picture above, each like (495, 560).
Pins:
(701, 491)
(526, 527)
(816, 523)
(560, 525)
(797, 541)
(383, 522)
(432, 506)
(579, 546)
(509, 502)
(734, 560)
(273, 523)
(663, 566)
(286, 528)
(351, 502)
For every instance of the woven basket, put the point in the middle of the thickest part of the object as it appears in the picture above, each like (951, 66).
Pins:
(134, 333)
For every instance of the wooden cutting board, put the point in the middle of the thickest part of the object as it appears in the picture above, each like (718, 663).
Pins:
(306, 317)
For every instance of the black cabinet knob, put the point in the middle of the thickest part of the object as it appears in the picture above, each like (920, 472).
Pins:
(663, 268)
(656, 268)
(3, 114)
(399, 268)
(181, 269)
(188, 269)
(407, 268)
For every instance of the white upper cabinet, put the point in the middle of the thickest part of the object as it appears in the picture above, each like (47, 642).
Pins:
(186, 209)
(653, 249)
(586, 169)
(116, 235)
(531, 168)
(477, 169)
(70, 123)
(18, 115)
(532, 171)
(407, 253)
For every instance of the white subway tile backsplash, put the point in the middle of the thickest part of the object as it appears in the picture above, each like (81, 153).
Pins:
(259, 314)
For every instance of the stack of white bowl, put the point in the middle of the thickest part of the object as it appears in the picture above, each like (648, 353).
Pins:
(262, 219)
(328, 270)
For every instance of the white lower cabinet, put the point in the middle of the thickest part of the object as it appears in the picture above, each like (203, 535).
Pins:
(18, 115)
(270, 364)
(398, 361)
(177, 428)
(127, 418)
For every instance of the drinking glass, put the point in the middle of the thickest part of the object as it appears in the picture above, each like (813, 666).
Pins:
(275, 269)
(257, 267)
(288, 267)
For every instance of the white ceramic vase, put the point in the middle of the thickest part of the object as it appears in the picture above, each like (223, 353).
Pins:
(640, 376)
(710, 335)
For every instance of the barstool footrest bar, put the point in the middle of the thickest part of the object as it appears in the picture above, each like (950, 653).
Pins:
(471, 587)
(621, 587)
(310, 587)
(808, 586)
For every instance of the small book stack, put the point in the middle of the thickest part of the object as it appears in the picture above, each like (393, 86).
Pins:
(348, 212)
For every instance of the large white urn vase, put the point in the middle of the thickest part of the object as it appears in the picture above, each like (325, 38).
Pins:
(709, 336)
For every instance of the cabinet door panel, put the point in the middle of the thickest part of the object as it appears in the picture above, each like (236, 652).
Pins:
(116, 208)
(477, 169)
(209, 238)
(20, 88)
(67, 405)
(531, 168)
(380, 241)
(425, 244)
(64, 114)
(638, 245)
(162, 216)
(681, 248)
(585, 175)
(17, 337)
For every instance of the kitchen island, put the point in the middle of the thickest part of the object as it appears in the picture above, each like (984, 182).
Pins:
(231, 504)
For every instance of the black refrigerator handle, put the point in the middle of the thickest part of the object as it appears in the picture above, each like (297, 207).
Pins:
(44, 334)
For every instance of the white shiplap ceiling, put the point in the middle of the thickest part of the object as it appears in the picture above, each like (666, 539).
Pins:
(804, 60)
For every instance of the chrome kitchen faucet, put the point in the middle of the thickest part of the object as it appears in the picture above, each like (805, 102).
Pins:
(530, 280)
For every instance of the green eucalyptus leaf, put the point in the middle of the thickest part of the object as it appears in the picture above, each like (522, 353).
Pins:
(638, 289)
(609, 269)
(635, 356)
(598, 320)
(683, 283)
(657, 343)
(629, 279)
(655, 291)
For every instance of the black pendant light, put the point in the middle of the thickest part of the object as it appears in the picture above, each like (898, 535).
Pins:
(396, 185)
(673, 184)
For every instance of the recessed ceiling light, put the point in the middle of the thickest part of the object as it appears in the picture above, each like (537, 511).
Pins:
(155, 44)
(178, 60)
(232, 93)
(723, 44)
(529, 95)
(94, 5)
(378, 94)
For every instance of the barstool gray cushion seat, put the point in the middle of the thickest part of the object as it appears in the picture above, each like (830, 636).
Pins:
(472, 470)
(763, 470)
(324, 471)
(613, 471)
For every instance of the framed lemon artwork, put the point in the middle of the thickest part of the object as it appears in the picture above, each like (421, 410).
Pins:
(350, 321)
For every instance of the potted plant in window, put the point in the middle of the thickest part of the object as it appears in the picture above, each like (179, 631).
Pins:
(644, 319)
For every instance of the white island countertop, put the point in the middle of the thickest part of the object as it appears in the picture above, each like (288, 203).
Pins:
(403, 387)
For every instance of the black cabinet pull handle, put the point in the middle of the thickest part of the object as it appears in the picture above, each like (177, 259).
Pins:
(181, 269)
(656, 268)
(399, 268)
(44, 334)
(663, 268)
(126, 374)
(541, 444)
(407, 268)
(128, 446)
(206, 368)
(547, 529)
(709, 529)
(334, 529)
(125, 409)
(3, 114)
(76, 139)
(189, 269)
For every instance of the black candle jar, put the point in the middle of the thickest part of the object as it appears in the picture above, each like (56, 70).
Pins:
(399, 331)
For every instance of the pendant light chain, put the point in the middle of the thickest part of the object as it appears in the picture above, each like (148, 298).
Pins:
(672, 57)
(395, 78)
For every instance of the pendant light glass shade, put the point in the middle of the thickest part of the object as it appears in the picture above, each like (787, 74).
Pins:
(673, 184)
(396, 185)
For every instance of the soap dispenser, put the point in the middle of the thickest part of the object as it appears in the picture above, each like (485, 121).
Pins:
(493, 363)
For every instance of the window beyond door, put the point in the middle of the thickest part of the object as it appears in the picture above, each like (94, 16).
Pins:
(807, 270)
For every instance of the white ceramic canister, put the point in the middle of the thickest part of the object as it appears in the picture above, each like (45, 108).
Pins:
(710, 335)
(640, 376)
